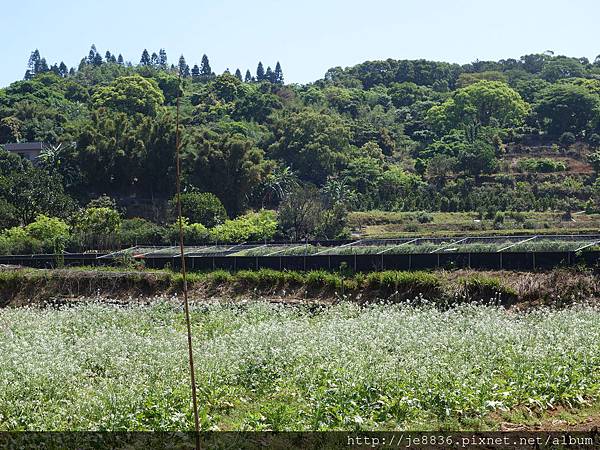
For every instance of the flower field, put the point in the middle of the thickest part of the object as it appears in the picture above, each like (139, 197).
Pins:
(262, 366)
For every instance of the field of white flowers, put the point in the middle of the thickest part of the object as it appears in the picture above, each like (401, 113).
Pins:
(263, 366)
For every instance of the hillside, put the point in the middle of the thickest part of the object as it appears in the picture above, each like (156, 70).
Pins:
(516, 135)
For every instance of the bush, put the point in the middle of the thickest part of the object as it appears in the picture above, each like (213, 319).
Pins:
(543, 165)
(52, 233)
(45, 235)
(424, 217)
(255, 226)
(140, 231)
(204, 208)
(193, 233)
(567, 139)
(98, 221)
(16, 241)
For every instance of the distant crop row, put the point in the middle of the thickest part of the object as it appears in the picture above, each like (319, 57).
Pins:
(531, 246)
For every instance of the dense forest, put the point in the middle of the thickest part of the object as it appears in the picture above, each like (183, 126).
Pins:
(264, 159)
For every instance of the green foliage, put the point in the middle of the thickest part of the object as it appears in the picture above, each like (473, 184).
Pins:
(140, 231)
(543, 165)
(482, 103)
(200, 207)
(98, 221)
(255, 226)
(312, 144)
(131, 95)
(193, 233)
(566, 108)
(44, 235)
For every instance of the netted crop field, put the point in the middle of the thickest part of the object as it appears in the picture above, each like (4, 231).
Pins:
(264, 366)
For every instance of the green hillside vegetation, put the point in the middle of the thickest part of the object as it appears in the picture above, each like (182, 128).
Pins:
(292, 161)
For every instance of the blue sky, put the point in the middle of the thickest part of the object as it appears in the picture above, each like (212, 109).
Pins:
(307, 36)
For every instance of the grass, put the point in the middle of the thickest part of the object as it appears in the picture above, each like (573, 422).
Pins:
(262, 366)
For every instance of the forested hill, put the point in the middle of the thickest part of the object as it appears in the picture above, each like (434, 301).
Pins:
(512, 135)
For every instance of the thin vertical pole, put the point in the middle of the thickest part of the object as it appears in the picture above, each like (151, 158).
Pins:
(186, 304)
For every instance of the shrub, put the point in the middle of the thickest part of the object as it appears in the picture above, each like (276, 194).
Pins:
(204, 208)
(567, 139)
(424, 217)
(544, 165)
(140, 231)
(16, 241)
(193, 233)
(51, 232)
(98, 221)
(255, 226)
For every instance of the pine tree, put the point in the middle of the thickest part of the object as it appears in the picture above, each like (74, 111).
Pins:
(248, 77)
(54, 69)
(260, 72)
(278, 74)
(62, 69)
(43, 66)
(71, 71)
(205, 70)
(195, 72)
(269, 75)
(154, 59)
(97, 60)
(162, 58)
(107, 56)
(28, 75)
(120, 59)
(92, 54)
(34, 63)
(238, 74)
(184, 69)
(113, 59)
(145, 59)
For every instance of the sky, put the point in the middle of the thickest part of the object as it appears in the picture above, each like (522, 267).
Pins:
(307, 37)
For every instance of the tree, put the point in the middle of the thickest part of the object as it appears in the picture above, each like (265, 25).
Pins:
(145, 59)
(162, 58)
(303, 214)
(477, 158)
(62, 70)
(481, 104)
(269, 75)
(32, 191)
(278, 76)
(313, 144)
(201, 207)
(154, 60)
(205, 70)
(562, 67)
(92, 54)
(195, 72)
(120, 60)
(228, 165)
(260, 72)
(131, 94)
(238, 74)
(248, 77)
(34, 62)
(98, 221)
(184, 69)
(566, 108)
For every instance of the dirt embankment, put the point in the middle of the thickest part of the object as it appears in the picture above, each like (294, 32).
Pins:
(19, 287)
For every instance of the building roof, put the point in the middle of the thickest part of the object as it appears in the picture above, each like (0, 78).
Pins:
(24, 146)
